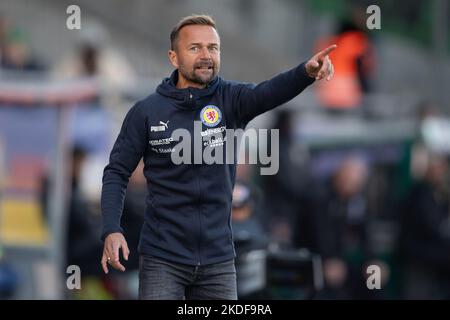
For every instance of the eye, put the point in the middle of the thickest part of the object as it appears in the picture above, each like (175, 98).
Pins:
(193, 49)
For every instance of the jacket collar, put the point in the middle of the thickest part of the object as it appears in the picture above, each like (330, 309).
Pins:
(184, 98)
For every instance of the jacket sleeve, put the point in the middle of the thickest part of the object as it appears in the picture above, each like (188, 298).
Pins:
(251, 100)
(127, 151)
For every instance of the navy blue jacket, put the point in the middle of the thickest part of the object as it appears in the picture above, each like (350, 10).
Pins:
(188, 209)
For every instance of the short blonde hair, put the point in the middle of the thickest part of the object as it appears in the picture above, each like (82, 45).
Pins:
(196, 19)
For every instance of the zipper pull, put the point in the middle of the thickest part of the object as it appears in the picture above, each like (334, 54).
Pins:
(191, 100)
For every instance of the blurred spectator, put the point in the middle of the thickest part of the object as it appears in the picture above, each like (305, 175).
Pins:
(425, 234)
(339, 223)
(248, 232)
(419, 151)
(250, 240)
(83, 245)
(353, 64)
(16, 54)
(94, 58)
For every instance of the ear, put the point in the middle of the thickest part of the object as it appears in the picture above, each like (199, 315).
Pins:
(173, 58)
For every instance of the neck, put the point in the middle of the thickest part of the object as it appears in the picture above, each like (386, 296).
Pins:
(183, 83)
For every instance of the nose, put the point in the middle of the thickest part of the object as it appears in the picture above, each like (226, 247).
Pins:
(204, 53)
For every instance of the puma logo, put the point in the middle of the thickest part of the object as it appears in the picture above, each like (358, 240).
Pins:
(165, 124)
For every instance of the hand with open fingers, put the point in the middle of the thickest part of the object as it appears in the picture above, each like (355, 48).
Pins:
(320, 66)
(114, 242)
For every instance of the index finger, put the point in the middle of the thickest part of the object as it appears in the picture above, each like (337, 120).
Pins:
(325, 52)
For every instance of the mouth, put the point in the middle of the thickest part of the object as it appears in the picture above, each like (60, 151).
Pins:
(204, 68)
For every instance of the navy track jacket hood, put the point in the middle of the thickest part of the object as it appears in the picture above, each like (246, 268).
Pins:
(188, 207)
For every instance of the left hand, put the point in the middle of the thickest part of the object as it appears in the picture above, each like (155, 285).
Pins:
(320, 66)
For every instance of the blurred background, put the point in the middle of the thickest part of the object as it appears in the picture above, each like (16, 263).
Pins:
(363, 178)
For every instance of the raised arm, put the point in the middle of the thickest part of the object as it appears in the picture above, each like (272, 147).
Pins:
(252, 100)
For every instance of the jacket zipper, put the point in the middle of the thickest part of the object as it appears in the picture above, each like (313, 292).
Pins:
(199, 215)
(198, 199)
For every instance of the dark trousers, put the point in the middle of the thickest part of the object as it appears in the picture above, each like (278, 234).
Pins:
(160, 279)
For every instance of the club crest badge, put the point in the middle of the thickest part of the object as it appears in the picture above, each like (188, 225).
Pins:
(210, 115)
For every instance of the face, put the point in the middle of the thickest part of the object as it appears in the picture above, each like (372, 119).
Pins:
(196, 55)
(351, 177)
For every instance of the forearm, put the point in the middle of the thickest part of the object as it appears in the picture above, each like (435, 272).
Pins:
(255, 100)
(112, 200)
(282, 88)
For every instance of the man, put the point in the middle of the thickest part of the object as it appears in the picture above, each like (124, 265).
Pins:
(248, 232)
(186, 245)
(425, 233)
(338, 221)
